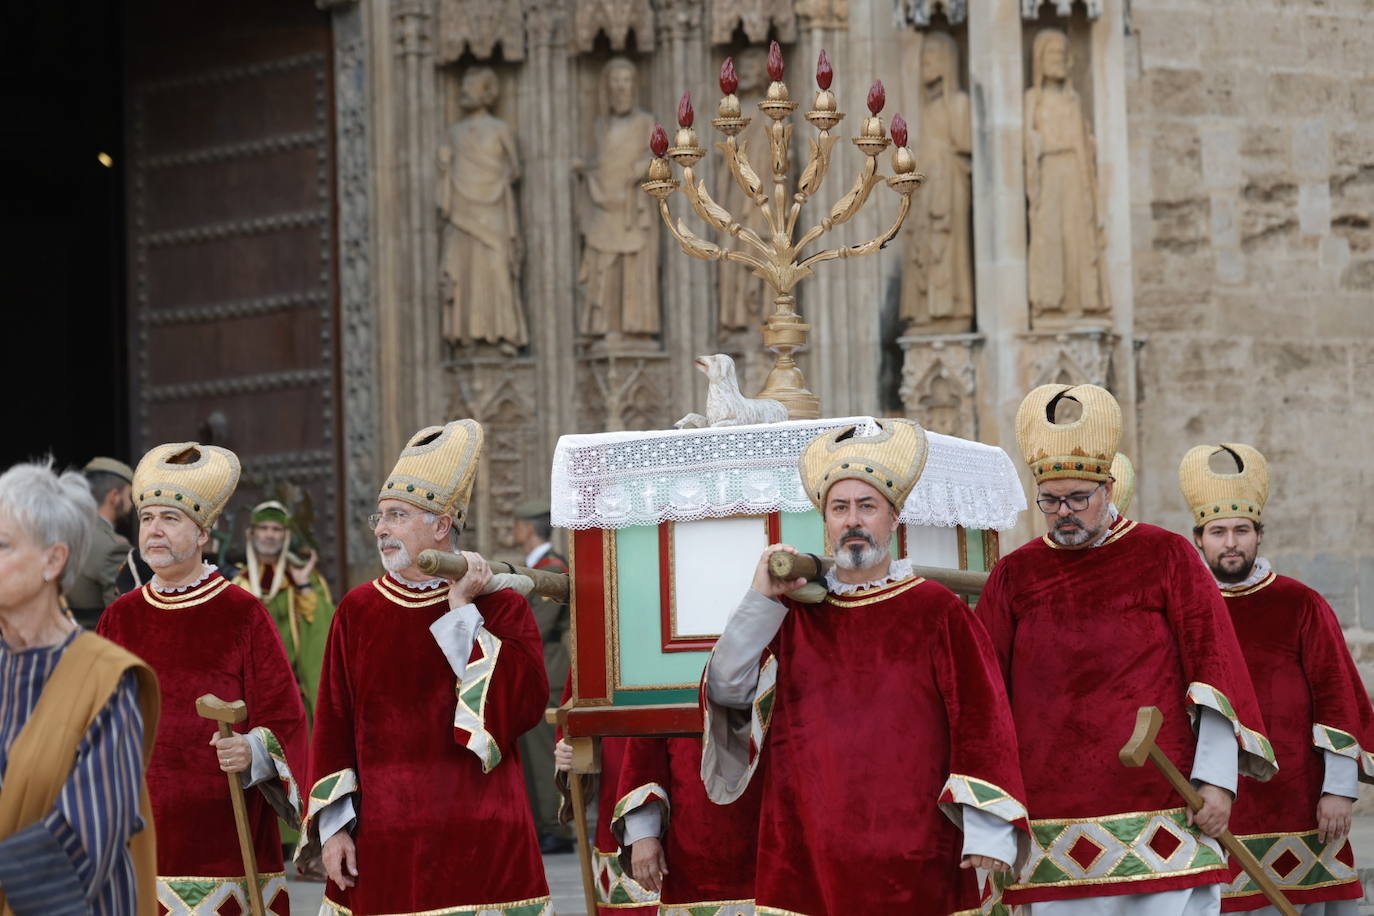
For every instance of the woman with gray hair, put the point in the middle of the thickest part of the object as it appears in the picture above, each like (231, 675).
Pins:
(77, 719)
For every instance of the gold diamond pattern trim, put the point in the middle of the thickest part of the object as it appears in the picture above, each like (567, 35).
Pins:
(328, 906)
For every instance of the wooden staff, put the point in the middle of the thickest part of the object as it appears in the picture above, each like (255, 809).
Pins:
(788, 566)
(453, 566)
(1142, 747)
(212, 707)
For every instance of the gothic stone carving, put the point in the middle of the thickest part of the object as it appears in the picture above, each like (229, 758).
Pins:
(1030, 9)
(1065, 262)
(919, 12)
(479, 26)
(754, 17)
(939, 382)
(478, 168)
(617, 18)
(823, 14)
(1070, 357)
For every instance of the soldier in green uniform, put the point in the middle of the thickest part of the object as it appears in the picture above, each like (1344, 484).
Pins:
(94, 589)
(292, 591)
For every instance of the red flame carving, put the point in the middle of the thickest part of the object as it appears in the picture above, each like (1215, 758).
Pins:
(877, 97)
(899, 130)
(685, 114)
(774, 62)
(823, 72)
(729, 81)
(658, 141)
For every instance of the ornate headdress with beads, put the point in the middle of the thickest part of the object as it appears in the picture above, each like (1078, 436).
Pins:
(437, 469)
(1240, 494)
(1082, 449)
(197, 479)
(890, 461)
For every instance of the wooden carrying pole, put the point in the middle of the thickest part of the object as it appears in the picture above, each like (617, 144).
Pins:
(212, 707)
(1142, 747)
(787, 566)
(453, 566)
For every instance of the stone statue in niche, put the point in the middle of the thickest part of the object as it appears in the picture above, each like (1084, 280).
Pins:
(481, 245)
(1065, 259)
(619, 272)
(746, 300)
(937, 280)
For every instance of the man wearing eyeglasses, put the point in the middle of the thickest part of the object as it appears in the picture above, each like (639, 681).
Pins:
(419, 801)
(1318, 713)
(1099, 617)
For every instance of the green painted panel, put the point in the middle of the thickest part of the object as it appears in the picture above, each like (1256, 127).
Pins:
(974, 541)
(652, 697)
(804, 531)
(642, 659)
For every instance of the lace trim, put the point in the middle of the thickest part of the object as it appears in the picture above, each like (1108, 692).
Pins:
(1258, 572)
(899, 570)
(426, 584)
(206, 571)
(627, 479)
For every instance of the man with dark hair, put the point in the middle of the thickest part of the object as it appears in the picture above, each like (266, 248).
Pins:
(532, 530)
(110, 482)
(1319, 716)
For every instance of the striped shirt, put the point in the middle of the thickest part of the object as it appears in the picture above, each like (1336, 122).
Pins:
(75, 860)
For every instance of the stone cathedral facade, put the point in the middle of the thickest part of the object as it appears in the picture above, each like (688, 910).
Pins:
(1171, 198)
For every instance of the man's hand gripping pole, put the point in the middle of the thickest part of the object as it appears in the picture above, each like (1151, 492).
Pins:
(1142, 747)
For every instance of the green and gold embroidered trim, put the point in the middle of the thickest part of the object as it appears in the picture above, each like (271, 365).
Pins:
(614, 888)
(187, 895)
(406, 598)
(708, 908)
(471, 712)
(1115, 849)
(534, 906)
(641, 795)
(776, 911)
(977, 793)
(290, 790)
(1257, 760)
(1295, 861)
(1338, 741)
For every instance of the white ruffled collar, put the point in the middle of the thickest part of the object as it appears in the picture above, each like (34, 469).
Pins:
(206, 571)
(897, 570)
(423, 584)
(1257, 572)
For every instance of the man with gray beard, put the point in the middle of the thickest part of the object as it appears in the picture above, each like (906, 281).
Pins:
(401, 769)
(1099, 617)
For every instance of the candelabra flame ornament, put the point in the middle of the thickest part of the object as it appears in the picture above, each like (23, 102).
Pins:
(778, 258)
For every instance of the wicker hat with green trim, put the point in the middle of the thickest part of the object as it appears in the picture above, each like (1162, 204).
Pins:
(437, 468)
(197, 479)
(270, 511)
(1082, 449)
(1240, 494)
(890, 461)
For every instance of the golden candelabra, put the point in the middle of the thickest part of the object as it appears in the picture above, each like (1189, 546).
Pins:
(778, 258)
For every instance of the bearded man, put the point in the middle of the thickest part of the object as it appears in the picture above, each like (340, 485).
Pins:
(876, 720)
(1099, 617)
(1309, 691)
(201, 634)
(419, 802)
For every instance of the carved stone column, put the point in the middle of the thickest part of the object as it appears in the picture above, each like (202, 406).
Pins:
(358, 319)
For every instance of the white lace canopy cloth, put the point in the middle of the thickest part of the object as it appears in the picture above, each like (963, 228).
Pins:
(619, 480)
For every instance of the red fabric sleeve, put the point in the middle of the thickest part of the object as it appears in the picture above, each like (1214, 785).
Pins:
(994, 613)
(982, 735)
(519, 688)
(332, 747)
(645, 763)
(1339, 700)
(274, 698)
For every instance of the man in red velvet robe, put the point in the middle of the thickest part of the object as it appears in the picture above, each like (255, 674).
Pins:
(419, 802)
(1315, 706)
(698, 855)
(878, 714)
(1099, 617)
(201, 635)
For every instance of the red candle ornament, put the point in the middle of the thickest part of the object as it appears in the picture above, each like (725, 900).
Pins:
(877, 97)
(658, 141)
(898, 130)
(729, 80)
(685, 114)
(774, 62)
(823, 72)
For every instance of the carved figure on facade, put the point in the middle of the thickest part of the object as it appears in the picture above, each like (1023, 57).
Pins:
(481, 246)
(755, 18)
(617, 18)
(937, 280)
(619, 272)
(745, 298)
(823, 14)
(479, 26)
(1066, 241)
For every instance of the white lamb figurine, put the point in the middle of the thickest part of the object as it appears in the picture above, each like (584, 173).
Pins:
(725, 406)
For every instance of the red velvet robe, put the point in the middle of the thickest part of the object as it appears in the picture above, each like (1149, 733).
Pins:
(710, 848)
(443, 818)
(1312, 699)
(214, 638)
(1085, 638)
(616, 892)
(888, 711)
